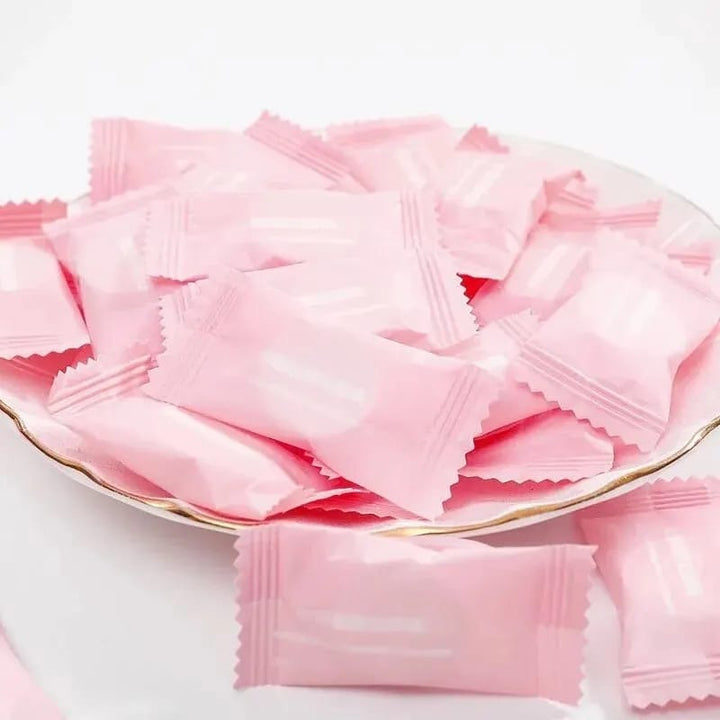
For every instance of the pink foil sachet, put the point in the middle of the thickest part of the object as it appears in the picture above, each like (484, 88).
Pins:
(202, 461)
(657, 552)
(551, 446)
(245, 355)
(414, 297)
(129, 154)
(547, 273)
(611, 351)
(20, 697)
(640, 215)
(489, 203)
(27, 219)
(369, 610)
(185, 237)
(494, 349)
(38, 312)
(401, 154)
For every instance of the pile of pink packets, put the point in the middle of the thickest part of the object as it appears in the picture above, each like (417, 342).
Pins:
(270, 323)
(278, 324)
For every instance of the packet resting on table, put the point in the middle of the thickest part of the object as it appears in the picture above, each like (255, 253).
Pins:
(320, 606)
(657, 551)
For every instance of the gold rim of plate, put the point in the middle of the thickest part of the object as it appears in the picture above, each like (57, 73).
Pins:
(199, 518)
(173, 507)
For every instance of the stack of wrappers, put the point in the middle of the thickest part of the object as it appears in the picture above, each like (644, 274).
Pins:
(274, 325)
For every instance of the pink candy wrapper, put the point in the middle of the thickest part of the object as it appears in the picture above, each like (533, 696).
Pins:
(494, 349)
(641, 215)
(397, 154)
(27, 219)
(610, 353)
(490, 201)
(246, 355)
(207, 463)
(478, 138)
(370, 610)
(186, 237)
(20, 697)
(118, 297)
(547, 273)
(38, 312)
(413, 297)
(552, 446)
(129, 154)
(573, 192)
(684, 234)
(657, 552)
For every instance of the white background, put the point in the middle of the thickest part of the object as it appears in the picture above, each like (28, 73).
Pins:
(122, 616)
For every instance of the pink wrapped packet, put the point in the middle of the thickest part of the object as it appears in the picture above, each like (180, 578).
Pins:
(396, 154)
(412, 297)
(548, 272)
(481, 139)
(641, 215)
(657, 552)
(26, 219)
(128, 154)
(118, 298)
(258, 362)
(610, 352)
(551, 446)
(20, 697)
(494, 349)
(201, 461)
(186, 236)
(490, 202)
(38, 312)
(369, 610)
(685, 235)
(571, 192)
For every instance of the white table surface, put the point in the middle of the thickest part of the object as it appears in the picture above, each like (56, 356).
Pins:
(121, 616)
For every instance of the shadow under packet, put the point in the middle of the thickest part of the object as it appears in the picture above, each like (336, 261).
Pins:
(391, 418)
(325, 606)
(657, 550)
